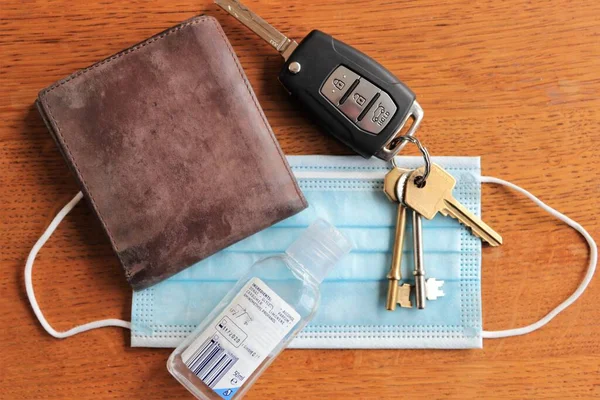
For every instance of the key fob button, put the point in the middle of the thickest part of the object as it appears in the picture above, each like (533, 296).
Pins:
(377, 117)
(338, 83)
(359, 99)
(367, 106)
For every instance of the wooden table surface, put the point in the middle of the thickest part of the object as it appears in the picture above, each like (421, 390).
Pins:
(516, 82)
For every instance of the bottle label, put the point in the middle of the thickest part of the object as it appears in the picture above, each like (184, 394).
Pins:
(225, 354)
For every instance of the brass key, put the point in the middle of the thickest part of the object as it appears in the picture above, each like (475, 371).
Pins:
(436, 196)
(419, 271)
(390, 182)
(393, 186)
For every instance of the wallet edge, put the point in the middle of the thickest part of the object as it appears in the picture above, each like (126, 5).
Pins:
(45, 111)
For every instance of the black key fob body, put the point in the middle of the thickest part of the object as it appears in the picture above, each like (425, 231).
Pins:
(350, 95)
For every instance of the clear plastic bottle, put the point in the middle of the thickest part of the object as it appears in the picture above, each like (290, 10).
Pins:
(258, 318)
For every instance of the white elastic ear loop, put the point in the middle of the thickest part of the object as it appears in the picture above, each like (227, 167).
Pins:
(582, 286)
(29, 284)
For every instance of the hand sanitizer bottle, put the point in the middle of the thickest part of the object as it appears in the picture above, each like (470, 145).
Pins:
(258, 318)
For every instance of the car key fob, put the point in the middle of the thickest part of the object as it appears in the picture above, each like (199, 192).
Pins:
(352, 96)
(349, 94)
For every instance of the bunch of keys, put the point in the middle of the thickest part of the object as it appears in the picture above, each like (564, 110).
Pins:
(366, 107)
(426, 191)
(351, 96)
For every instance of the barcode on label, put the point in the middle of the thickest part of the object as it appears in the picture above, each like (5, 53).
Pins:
(210, 362)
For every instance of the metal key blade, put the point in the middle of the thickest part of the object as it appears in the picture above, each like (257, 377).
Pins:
(436, 196)
(419, 271)
(284, 45)
(479, 228)
(433, 289)
(394, 184)
(395, 274)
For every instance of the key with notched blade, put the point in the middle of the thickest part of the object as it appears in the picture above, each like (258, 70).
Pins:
(350, 95)
(436, 196)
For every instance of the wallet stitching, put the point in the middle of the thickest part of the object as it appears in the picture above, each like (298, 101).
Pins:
(62, 139)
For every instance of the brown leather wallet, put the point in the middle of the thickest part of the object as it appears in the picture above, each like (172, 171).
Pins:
(171, 150)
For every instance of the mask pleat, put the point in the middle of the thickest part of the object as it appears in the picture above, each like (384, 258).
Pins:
(352, 312)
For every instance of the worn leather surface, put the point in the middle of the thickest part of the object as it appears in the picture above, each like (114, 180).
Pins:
(172, 150)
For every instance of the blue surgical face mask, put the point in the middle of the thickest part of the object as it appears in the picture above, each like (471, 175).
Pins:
(346, 191)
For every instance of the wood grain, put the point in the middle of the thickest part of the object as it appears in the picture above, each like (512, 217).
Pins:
(515, 82)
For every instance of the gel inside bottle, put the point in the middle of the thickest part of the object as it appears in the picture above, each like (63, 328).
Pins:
(258, 318)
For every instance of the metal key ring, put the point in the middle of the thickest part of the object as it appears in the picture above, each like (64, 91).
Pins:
(420, 180)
